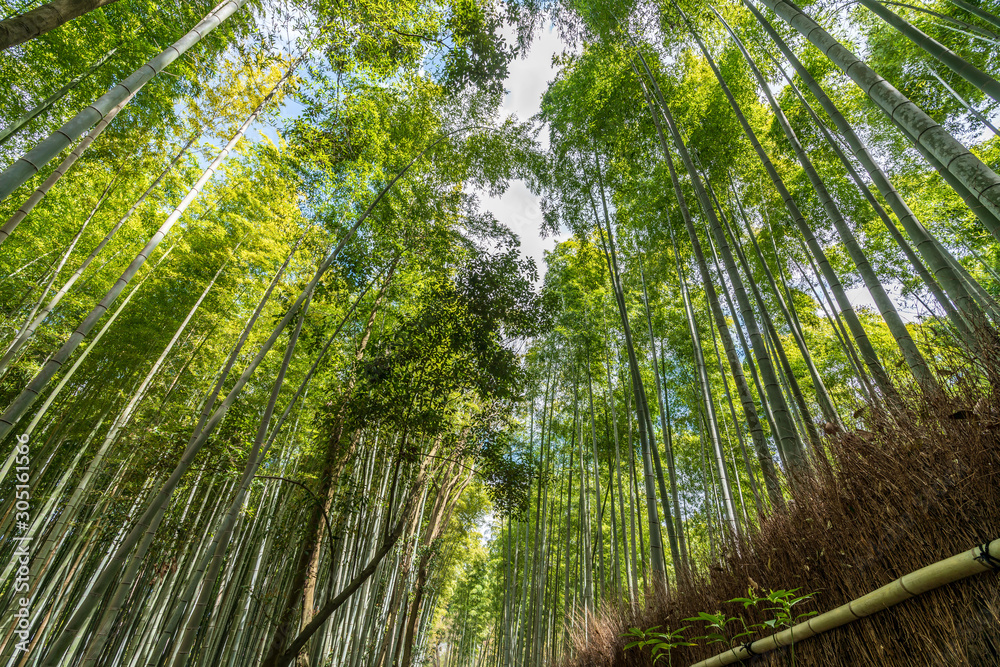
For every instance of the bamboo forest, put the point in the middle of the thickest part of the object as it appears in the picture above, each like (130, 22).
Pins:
(499, 333)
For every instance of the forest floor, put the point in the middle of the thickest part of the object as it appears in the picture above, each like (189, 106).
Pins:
(909, 490)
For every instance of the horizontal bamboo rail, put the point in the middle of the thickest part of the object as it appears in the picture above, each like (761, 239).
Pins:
(975, 561)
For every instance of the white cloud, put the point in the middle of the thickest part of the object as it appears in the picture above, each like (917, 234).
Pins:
(528, 77)
(518, 208)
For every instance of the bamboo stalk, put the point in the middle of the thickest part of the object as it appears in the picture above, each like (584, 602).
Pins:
(953, 157)
(28, 395)
(981, 13)
(31, 202)
(935, 49)
(43, 106)
(33, 161)
(961, 100)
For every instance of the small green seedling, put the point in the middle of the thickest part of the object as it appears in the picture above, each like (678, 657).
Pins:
(780, 603)
(660, 644)
(716, 623)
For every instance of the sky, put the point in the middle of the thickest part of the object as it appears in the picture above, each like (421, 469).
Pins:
(518, 207)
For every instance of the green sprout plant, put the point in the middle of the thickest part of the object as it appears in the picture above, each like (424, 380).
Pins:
(781, 603)
(720, 628)
(715, 625)
(660, 644)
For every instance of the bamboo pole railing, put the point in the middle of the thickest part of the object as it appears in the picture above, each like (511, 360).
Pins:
(977, 560)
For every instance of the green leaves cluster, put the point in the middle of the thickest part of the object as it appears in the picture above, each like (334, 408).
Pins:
(778, 604)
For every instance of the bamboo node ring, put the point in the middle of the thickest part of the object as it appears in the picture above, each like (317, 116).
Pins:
(986, 559)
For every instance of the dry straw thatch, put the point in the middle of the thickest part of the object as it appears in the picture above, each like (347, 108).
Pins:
(907, 492)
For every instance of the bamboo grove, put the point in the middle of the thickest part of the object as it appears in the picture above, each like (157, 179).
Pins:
(278, 389)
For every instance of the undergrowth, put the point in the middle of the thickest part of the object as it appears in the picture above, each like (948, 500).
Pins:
(914, 486)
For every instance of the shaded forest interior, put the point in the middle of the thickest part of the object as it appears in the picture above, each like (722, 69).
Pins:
(280, 384)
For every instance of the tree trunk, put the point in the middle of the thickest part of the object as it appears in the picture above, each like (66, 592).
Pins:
(914, 359)
(24, 400)
(597, 485)
(24, 27)
(779, 407)
(680, 564)
(655, 541)
(968, 169)
(935, 49)
(305, 574)
(992, 19)
(822, 396)
(785, 434)
(254, 459)
(32, 321)
(57, 297)
(711, 421)
(26, 167)
(43, 106)
(914, 228)
(629, 562)
(811, 428)
(867, 351)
